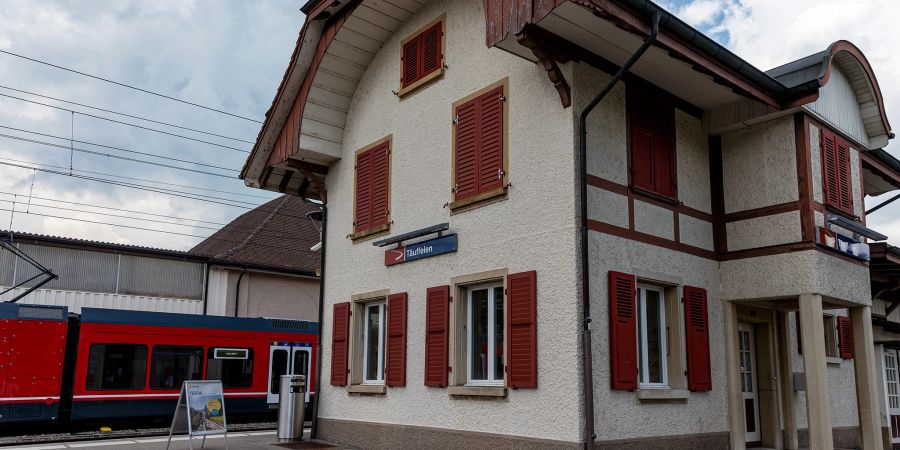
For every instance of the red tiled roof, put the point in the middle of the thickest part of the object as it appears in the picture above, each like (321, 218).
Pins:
(276, 234)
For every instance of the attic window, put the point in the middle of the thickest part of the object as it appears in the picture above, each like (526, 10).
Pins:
(421, 56)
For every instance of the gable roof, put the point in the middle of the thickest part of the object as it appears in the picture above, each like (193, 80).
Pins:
(276, 235)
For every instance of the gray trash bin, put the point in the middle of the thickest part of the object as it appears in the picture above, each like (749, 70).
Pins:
(291, 395)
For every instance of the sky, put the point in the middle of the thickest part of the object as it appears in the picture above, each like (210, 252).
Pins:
(230, 55)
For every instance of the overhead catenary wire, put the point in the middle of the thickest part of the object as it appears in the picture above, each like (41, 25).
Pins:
(107, 155)
(128, 86)
(208, 133)
(228, 147)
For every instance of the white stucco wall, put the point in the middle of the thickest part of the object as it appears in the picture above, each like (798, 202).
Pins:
(533, 229)
(759, 165)
(654, 220)
(783, 228)
(692, 156)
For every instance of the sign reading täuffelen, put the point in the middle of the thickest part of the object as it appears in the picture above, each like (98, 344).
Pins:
(420, 250)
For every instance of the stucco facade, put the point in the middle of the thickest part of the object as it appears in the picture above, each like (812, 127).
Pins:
(728, 222)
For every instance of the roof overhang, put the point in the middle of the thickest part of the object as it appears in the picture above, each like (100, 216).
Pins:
(881, 172)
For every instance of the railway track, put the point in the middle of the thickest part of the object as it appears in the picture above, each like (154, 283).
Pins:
(50, 438)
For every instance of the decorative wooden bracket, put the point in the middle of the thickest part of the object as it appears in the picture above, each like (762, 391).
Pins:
(531, 38)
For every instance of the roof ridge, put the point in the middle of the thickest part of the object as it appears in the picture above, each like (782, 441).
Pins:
(272, 213)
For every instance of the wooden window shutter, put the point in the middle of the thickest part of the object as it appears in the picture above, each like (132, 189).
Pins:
(340, 335)
(381, 183)
(696, 320)
(521, 330)
(437, 328)
(479, 145)
(362, 219)
(652, 132)
(837, 182)
(664, 171)
(845, 337)
(622, 331)
(845, 180)
(431, 49)
(411, 61)
(395, 370)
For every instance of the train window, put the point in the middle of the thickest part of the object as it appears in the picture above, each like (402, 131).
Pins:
(279, 368)
(117, 366)
(234, 366)
(171, 365)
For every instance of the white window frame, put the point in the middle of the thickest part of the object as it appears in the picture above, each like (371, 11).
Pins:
(491, 376)
(379, 379)
(643, 359)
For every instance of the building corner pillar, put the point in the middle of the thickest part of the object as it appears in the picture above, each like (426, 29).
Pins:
(866, 388)
(818, 409)
(787, 381)
(735, 398)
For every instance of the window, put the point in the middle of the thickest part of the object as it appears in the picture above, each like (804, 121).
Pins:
(373, 343)
(371, 207)
(836, 179)
(831, 344)
(484, 325)
(117, 366)
(651, 337)
(233, 366)
(652, 138)
(479, 146)
(279, 368)
(421, 57)
(171, 365)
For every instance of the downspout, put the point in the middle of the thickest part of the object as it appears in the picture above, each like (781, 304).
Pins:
(237, 292)
(324, 233)
(587, 349)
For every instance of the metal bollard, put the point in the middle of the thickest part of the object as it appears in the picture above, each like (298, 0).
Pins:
(291, 396)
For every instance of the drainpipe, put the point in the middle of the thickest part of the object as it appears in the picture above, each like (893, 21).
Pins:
(237, 292)
(587, 349)
(323, 233)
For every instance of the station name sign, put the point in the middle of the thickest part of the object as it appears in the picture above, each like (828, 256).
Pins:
(420, 250)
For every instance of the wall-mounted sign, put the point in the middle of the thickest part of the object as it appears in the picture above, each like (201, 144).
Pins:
(231, 353)
(843, 243)
(420, 250)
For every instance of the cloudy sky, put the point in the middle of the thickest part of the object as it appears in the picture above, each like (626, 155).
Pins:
(230, 55)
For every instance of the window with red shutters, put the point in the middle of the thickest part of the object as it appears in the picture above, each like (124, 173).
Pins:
(371, 204)
(652, 140)
(340, 343)
(421, 57)
(437, 333)
(479, 146)
(845, 337)
(395, 372)
(521, 325)
(622, 331)
(837, 182)
(697, 339)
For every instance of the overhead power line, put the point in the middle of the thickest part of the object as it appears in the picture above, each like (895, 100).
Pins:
(125, 158)
(228, 147)
(129, 86)
(127, 115)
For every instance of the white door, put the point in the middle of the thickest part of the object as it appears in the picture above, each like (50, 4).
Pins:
(287, 358)
(892, 389)
(747, 354)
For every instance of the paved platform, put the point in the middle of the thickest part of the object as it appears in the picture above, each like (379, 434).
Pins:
(236, 441)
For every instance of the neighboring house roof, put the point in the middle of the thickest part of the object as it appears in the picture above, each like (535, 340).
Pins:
(276, 235)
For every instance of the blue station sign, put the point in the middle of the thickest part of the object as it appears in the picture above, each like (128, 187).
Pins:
(421, 250)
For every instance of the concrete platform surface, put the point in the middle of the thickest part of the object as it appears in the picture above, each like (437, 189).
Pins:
(236, 441)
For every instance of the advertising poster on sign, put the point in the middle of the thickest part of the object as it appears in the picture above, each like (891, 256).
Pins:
(200, 411)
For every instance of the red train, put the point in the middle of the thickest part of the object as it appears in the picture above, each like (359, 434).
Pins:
(113, 364)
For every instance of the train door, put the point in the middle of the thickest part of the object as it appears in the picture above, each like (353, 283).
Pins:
(286, 358)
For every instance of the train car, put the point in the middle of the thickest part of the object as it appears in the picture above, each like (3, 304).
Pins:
(32, 357)
(114, 364)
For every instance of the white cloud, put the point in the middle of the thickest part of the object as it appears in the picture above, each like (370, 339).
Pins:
(700, 12)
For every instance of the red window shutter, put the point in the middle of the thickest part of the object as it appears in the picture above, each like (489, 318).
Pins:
(641, 139)
(340, 334)
(381, 181)
(467, 150)
(362, 219)
(622, 331)
(437, 327)
(490, 140)
(664, 148)
(652, 133)
(845, 181)
(697, 339)
(521, 330)
(395, 370)
(431, 49)
(830, 182)
(410, 61)
(845, 337)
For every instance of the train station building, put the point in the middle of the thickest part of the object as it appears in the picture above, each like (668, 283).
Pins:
(582, 224)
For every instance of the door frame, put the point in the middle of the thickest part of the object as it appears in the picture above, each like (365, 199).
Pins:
(893, 423)
(292, 349)
(750, 329)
